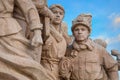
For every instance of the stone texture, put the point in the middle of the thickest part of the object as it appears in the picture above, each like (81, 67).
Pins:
(85, 59)
(55, 45)
(16, 52)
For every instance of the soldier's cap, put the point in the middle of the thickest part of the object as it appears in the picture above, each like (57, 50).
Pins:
(82, 19)
(56, 6)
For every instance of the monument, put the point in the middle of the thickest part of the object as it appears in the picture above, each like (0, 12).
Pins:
(35, 45)
(16, 61)
(55, 46)
(86, 60)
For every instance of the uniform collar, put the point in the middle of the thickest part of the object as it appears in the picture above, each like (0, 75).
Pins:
(86, 45)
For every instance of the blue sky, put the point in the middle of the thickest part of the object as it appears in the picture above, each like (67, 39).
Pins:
(105, 18)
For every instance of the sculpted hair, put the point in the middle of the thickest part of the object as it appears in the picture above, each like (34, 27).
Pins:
(56, 6)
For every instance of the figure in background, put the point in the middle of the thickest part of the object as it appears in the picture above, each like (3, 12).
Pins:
(67, 37)
(101, 42)
(16, 61)
(117, 54)
(44, 13)
(114, 52)
(85, 60)
(55, 46)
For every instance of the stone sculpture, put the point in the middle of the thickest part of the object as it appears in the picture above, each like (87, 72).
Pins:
(16, 61)
(117, 54)
(86, 60)
(55, 46)
(29, 27)
(114, 52)
(44, 13)
(101, 42)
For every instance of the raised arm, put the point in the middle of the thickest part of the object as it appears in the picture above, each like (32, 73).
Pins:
(32, 18)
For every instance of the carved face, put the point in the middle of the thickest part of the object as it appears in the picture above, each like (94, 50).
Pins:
(81, 33)
(59, 14)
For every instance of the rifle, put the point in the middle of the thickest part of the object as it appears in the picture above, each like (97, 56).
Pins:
(46, 25)
(46, 28)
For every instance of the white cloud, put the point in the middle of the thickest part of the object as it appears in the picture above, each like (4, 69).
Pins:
(112, 15)
(109, 40)
(119, 37)
(103, 37)
(115, 19)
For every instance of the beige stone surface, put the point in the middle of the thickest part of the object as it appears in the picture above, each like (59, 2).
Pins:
(44, 13)
(101, 42)
(34, 45)
(85, 59)
(55, 46)
(116, 53)
(16, 52)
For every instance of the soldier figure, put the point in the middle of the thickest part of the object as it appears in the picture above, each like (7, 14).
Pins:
(85, 60)
(55, 46)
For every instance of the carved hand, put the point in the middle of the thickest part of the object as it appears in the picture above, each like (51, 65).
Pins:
(37, 39)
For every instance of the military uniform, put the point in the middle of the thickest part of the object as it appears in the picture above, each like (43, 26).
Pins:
(86, 60)
(87, 64)
(53, 50)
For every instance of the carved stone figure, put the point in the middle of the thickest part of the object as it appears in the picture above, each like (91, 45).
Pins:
(86, 60)
(16, 61)
(41, 6)
(117, 54)
(67, 37)
(101, 42)
(55, 46)
(114, 52)
(44, 12)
